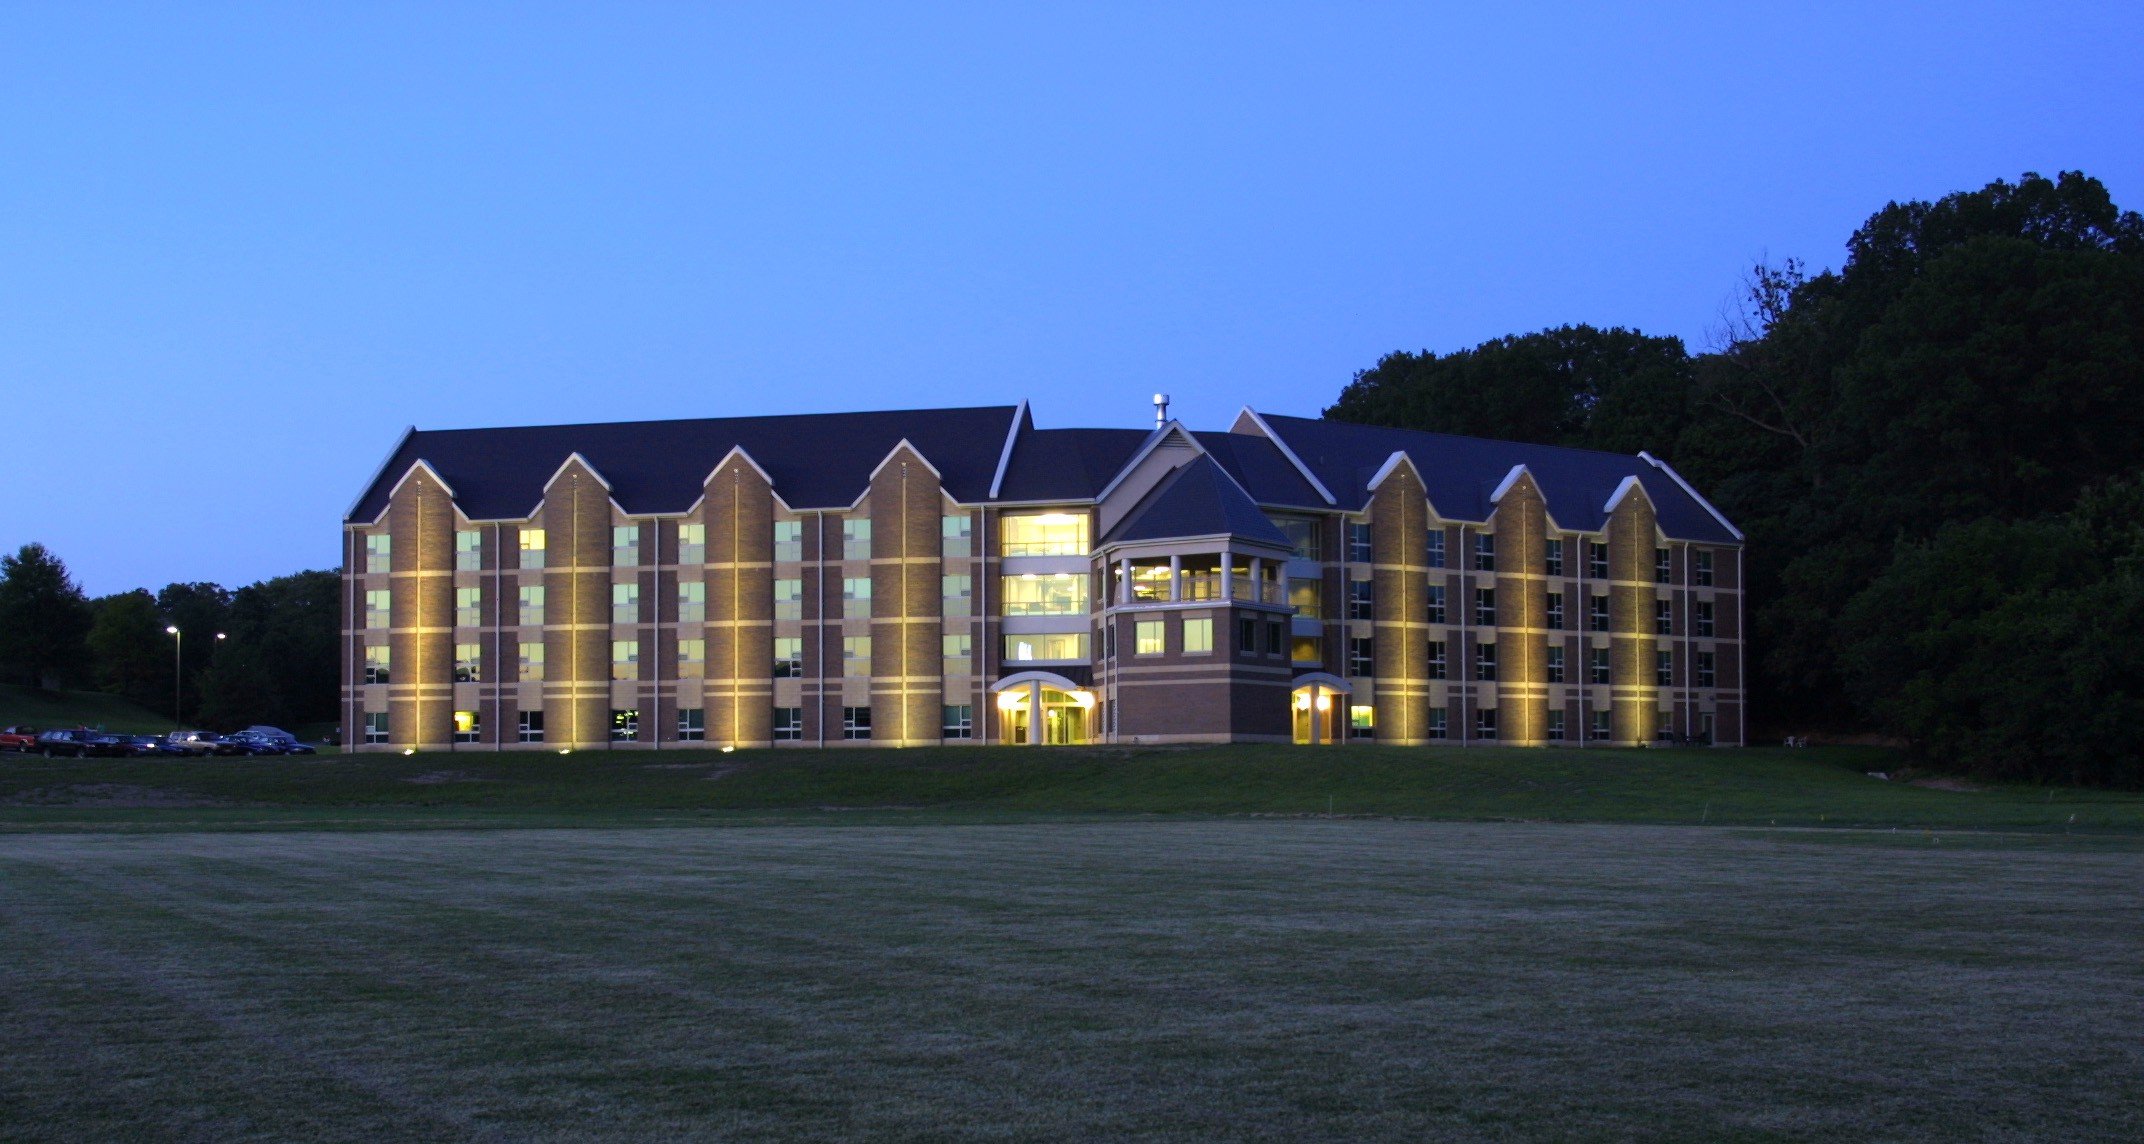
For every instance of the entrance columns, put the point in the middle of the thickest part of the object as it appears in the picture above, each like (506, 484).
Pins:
(1034, 713)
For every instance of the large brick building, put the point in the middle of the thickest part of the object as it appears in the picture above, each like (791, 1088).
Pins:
(958, 575)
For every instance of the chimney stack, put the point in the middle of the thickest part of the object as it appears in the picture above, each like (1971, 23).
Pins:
(1161, 410)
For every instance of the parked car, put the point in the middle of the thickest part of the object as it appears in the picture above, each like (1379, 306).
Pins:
(277, 740)
(18, 738)
(79, 743)
(141, 745)
(197, 743)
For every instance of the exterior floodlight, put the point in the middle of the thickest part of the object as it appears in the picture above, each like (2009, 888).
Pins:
(727, 750)
(409, 750)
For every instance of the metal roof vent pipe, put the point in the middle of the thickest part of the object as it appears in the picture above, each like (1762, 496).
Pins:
(1161, 410)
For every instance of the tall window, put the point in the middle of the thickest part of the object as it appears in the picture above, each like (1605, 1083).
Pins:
(958, 593)
(468, 550)
(1485, 662)
(1555, 664)
(856, 656)
(1049, 594)
(531, 662)
(625, 725)
(468, 727)
(1151, 637)
(1246, 636)
(1437, 716)
(1485, 552)
(691, 725)
(1485, 723)
(1701, 618)
(468, 663)
(856, 538)
(376, 727)
(625, 659)
(1664, 667)
(1485, 607)
(531, 605)
(1706, 675)
(788, 599)
(625, 603)
(691, 601)
(789, 540)
(856, 722)
(1358, 542)
(1306, 650)
(1046, 648)
(1307, 596)
(691, 549)
(956, 535)
(625, 545)
(1552, 558)
(1664, 617)
(531, 542)
(1302, 534)
(1597, 664)
(856, 597)
(788, 724)
(379, 552)
(528, 726)
(691, 659)
(379, 664)
(1663, 566)
(468, 607)
(1361, 657)
(1597, 613)
(1603, 727)
(1436, 603)
(959, 721)
(379, 606)
(958, 653)
(1701, 568)
(1436, 659)
(1555, 611)
(1361, 599)
(1436, 548)
(1042, 534)
(1198, 635)
(1555, 725)
(1596, 560)
(788, 657)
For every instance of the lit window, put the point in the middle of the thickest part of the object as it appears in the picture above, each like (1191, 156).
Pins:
(958, 592)
(1361, 658)
(1305, 649)
(1361, 599)
(468, 727)
(959, 650)
(469, 607)
(1552, 558)
(379, 552)
(1485, 662)
(856, 722)
(959, 720)
(1053, 594)
(378, 664)
(1358, 542)
(1150, 637)
(789, 540)
(1485, 552)
(1599, 665)
(625, 603)
(955, 536)
(1307, 596)
(1198, 636)
(625, 545)
(691, 725)
(691, 601)
(531, 600)
(856, 597)
(788, 657)
(531, 662)
(379, 606)
(532, 542)
(691, 659)
(1043, 534)
(856, 538)
(376, 726)
(468, 663)
(529, 726)
(788, 599)
(1555, 665)
(1485, 607)
(625, 725)
(468, 550)
(1066, 647)
(625, 659)
(788, 724)
(1361, 721)
(1436, 603)
(691, 544)
(1701, 619)
(1436, 659)
(856, 656)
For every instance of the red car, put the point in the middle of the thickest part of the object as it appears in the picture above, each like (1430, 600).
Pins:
(18, 738)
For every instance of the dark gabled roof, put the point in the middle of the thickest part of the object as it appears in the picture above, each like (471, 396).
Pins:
(1462, 472)
(1197, 499)
(816, 460)
(1260, 467)
(1067, 464)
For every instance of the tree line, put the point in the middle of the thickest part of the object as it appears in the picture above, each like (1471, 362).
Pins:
(264, 653)
(1935, 452)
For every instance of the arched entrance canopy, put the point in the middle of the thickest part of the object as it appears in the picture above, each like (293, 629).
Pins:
(1310, 706)
(1036, 707)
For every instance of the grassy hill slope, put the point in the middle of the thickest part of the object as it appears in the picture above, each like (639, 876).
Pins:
(44, 709)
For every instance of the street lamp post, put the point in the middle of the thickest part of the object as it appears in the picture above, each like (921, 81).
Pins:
(178, 668)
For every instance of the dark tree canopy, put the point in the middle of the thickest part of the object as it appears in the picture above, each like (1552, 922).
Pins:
(44, 619)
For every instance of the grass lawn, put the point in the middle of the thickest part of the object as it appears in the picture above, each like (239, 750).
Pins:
(1128, 979)
(48, 709)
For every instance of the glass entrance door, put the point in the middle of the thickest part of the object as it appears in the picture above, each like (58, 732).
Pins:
(1064, 717)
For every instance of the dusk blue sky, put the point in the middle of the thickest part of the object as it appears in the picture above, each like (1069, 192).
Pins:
(241, 248)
